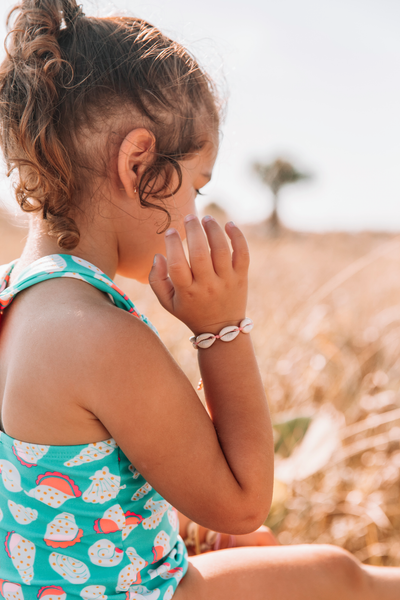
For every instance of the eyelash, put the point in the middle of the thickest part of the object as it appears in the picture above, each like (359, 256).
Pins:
(198, 192)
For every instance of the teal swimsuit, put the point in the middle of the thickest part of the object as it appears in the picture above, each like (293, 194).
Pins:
(80, 522)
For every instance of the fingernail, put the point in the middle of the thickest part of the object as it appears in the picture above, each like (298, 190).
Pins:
(155, 260)
(232, 224)
(170, 231)
(208, 218)
(189, 218)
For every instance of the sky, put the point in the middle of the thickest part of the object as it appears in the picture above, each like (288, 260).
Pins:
(313, 81)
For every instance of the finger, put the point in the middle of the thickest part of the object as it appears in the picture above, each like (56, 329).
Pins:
(220, 252)
(160, 283)
(240, 254)
(178, 267)
(199, 252)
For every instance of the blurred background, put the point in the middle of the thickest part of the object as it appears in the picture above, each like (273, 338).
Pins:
(309, 165)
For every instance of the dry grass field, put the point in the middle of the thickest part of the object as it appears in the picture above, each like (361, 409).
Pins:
(327, 335)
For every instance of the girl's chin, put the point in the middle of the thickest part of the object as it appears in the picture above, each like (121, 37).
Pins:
(140, 271)
(140, 277)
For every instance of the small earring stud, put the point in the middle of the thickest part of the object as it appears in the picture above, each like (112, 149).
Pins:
(123, 189)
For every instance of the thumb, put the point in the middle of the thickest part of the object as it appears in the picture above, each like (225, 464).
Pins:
(160, 282)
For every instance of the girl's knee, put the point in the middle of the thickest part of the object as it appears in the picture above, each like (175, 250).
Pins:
(345, 572)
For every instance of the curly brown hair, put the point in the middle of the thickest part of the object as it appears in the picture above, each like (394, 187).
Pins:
(62, 72)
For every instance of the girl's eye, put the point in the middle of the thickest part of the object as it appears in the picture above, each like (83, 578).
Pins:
(198, 192)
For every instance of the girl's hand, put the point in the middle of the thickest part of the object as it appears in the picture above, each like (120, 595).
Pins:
(210, 292)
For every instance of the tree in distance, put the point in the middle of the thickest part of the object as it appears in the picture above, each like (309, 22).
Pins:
(275, 175)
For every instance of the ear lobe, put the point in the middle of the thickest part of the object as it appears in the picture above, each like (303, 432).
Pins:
(135, 154)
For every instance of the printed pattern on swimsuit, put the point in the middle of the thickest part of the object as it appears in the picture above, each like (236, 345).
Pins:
(81, 521)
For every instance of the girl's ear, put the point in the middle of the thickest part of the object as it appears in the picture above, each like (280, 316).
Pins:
(135, 154)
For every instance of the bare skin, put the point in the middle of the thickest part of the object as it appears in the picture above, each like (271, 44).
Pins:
(263, 536)
(109, 368)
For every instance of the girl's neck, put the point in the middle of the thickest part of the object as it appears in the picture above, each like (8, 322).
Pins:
(97, 249)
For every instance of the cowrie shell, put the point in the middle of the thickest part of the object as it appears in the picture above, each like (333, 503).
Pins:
(246, 325)
(227, 334)
(205, 340)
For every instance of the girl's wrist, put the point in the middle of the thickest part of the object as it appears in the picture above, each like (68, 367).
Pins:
(226, 334)
(216, 327)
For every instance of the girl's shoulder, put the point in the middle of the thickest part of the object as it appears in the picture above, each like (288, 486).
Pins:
(58, 344)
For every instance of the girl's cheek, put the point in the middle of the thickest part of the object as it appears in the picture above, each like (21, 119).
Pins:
(179, 223)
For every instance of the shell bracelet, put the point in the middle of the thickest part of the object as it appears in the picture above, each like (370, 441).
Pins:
(227, 334)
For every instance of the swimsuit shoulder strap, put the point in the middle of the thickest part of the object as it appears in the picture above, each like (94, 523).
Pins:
(64, 265)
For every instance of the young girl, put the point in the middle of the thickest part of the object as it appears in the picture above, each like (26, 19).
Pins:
(111, 129)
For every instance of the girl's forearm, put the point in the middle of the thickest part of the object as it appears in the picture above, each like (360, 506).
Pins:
(238, 407)
(206, 293)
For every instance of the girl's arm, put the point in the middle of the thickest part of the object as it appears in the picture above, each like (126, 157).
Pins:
(207, 296)
(218, 471)
(263, 536)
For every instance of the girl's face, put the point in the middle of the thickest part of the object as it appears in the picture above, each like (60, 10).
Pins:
(138, 240)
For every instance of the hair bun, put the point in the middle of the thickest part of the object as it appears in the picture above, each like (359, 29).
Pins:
(72, 11)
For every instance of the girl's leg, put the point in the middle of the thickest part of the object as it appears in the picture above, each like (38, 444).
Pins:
(303, 572)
